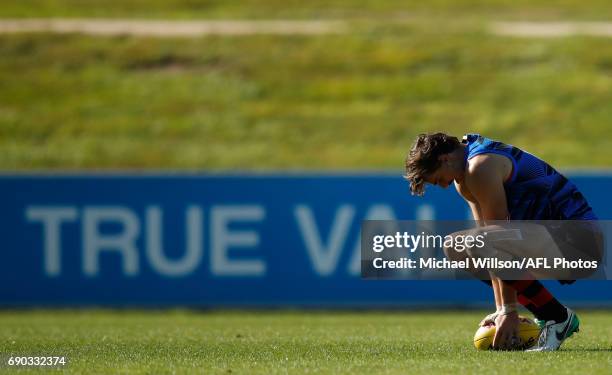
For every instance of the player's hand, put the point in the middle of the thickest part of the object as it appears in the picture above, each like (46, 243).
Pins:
(506, 334)
(489, 319)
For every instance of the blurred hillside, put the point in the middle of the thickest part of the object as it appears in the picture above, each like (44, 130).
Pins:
(265, 9)
(351, 99)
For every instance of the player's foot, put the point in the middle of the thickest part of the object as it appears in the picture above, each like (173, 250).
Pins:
(553, 334)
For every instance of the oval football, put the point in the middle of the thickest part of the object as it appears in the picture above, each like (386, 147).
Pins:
(528, 333)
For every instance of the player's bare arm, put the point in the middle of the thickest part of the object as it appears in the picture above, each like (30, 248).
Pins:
(477, 216)
(484, 179)
(495, 285)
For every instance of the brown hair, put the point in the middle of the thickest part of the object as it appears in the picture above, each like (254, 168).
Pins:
(422, 159)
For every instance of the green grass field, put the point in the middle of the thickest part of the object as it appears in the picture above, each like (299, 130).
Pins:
(289, 342)
(257, 102)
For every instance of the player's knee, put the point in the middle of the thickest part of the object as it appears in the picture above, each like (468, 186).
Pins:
(452, 250)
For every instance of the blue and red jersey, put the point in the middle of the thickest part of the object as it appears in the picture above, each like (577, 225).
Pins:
(535, 190)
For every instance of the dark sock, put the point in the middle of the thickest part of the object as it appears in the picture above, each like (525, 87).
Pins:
(528, 305)
(539, 301)
(552, 310)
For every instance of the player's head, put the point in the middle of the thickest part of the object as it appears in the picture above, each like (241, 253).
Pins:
(433, 159)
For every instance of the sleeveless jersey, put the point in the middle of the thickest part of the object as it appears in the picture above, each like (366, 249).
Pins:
(535, 190)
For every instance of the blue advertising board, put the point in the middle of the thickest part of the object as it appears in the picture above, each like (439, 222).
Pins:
(225, 240)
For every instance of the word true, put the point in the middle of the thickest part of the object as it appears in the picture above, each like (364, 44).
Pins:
(412, 242)
(221, 240)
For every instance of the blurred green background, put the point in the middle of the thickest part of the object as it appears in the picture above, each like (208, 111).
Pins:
(349, 100)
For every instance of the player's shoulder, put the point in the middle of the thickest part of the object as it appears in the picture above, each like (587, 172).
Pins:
(487, 168)
(483, 164)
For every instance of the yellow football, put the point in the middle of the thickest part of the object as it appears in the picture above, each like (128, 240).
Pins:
(528, 333)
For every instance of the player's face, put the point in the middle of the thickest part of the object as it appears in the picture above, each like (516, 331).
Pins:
(450, 170)
(443, 177)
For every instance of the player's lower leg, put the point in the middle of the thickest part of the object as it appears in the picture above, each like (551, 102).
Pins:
(538, 300)
(545, 307)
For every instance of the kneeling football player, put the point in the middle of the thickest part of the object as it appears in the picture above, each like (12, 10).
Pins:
(502, 182)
